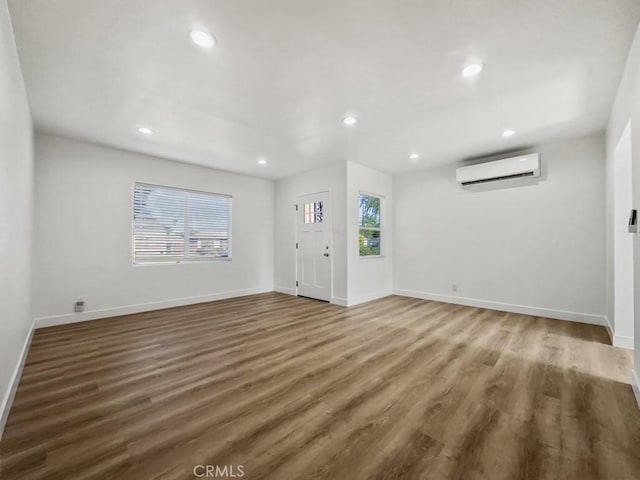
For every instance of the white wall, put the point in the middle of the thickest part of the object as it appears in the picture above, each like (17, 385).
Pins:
(16, 190)
(626, 108)
(369, 277)
(332, 179)
(537, 248)
(83, 233)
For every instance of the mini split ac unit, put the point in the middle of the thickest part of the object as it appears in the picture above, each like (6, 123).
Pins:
(510, 168)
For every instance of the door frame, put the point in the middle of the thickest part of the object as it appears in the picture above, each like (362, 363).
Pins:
(623, 248)
(297, 205)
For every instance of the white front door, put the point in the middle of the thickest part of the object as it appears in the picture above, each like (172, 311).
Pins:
(314, 255)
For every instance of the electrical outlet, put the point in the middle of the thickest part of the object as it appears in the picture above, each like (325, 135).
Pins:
(78, 306)
(454, 287)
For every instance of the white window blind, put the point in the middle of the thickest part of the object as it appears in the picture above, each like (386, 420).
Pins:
(171, 225)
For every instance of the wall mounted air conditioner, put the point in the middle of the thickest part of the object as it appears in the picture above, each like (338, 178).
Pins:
(522, 166)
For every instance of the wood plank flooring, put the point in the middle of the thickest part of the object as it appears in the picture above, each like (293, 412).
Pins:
(291, 388)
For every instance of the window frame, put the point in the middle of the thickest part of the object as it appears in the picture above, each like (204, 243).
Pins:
(379, 229)
(185, 259)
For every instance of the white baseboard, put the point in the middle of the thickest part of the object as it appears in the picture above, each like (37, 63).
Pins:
(366, 298)
(66, 318)
(7, 401)
(609, 329)
(340, 301)
(285, 290)
(507, 307)
(343, 302)
(292, 291)
(620, 341)
(623, 341)
(635, 384)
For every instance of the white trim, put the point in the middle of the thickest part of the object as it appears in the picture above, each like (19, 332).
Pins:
(507, 307)
(340, 301)
(609, 329)
(623, 341)
(367, 298)
(285, 290)
(181, 262)
(295, 251)
(65, 318)
(620, 341)
(370, 194)
(10, 394)
(635, 385)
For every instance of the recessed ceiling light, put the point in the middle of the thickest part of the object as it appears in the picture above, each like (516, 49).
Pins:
(145, 130)
(349, 120)
(414, 156)
(203, 39)
(508, 133)
(262, 161)
(472, 70)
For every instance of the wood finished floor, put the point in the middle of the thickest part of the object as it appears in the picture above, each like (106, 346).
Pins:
(292, 388)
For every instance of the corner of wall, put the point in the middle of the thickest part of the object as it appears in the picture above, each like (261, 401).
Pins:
(7, 401)
(635, 385)
(16, 191)
(608, 328)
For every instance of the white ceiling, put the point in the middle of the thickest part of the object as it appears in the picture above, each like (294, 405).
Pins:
(285, 72)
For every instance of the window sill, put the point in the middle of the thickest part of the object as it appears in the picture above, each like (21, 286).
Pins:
(362, 257)
(185, 262)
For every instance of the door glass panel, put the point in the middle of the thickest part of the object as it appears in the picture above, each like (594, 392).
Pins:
(313, 212)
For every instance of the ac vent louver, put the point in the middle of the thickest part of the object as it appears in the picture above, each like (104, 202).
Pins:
(523, 166)
(497, 179)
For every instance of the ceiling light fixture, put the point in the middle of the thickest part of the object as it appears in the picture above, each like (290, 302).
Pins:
(508, 133)
(145, 130)
(262, 161)
(202, 39)
(349, 121)
(414, 156)
(472, 70)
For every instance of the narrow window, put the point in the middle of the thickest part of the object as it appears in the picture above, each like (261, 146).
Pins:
(370, 226)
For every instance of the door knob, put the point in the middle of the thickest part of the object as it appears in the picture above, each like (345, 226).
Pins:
(326, 254)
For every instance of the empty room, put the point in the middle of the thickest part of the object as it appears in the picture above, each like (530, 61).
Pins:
(341, 240)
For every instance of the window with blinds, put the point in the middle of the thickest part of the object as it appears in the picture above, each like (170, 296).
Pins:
(171, 225)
